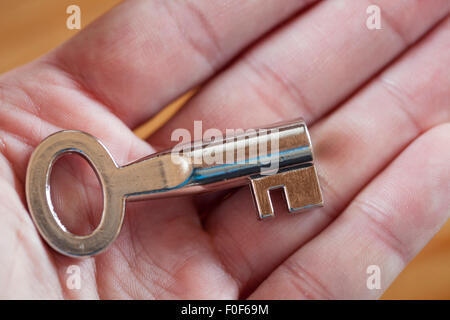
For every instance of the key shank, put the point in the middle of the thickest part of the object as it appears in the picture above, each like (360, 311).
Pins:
(232, 161)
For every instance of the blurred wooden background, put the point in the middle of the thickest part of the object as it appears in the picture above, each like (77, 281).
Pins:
(29, 28)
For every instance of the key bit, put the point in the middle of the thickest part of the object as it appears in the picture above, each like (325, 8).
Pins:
(276, 157)
(300, 186)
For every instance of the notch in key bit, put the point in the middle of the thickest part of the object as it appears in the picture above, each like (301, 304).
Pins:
(300, 185)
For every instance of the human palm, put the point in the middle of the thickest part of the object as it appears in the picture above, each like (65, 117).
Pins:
(377, 103)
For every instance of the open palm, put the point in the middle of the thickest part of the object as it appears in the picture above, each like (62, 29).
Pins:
(377, 103)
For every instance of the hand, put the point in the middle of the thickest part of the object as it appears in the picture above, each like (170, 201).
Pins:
(377, 103)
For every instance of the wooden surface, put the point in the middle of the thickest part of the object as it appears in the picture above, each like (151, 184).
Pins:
(29, 28)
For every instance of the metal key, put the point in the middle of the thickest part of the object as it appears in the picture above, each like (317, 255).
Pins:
(266, 159)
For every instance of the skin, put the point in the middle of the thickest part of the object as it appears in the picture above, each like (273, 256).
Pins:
(377, 103)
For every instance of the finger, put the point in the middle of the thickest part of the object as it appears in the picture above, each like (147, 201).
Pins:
(386, 226)
(21, 248)
(351, 146)
(306, 67)
(142, 54)
(37, 101)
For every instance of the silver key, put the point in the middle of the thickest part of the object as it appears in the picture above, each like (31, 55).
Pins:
(276, 157)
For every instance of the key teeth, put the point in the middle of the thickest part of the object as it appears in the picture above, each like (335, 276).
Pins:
(262, 201)
(301, 189)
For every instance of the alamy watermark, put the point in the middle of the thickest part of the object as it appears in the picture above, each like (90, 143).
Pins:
(373, 22)
(73, 281)
(74, 19)
(236, 146)
(373, 281)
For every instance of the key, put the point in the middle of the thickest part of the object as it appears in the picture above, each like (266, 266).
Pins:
(280, 156)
